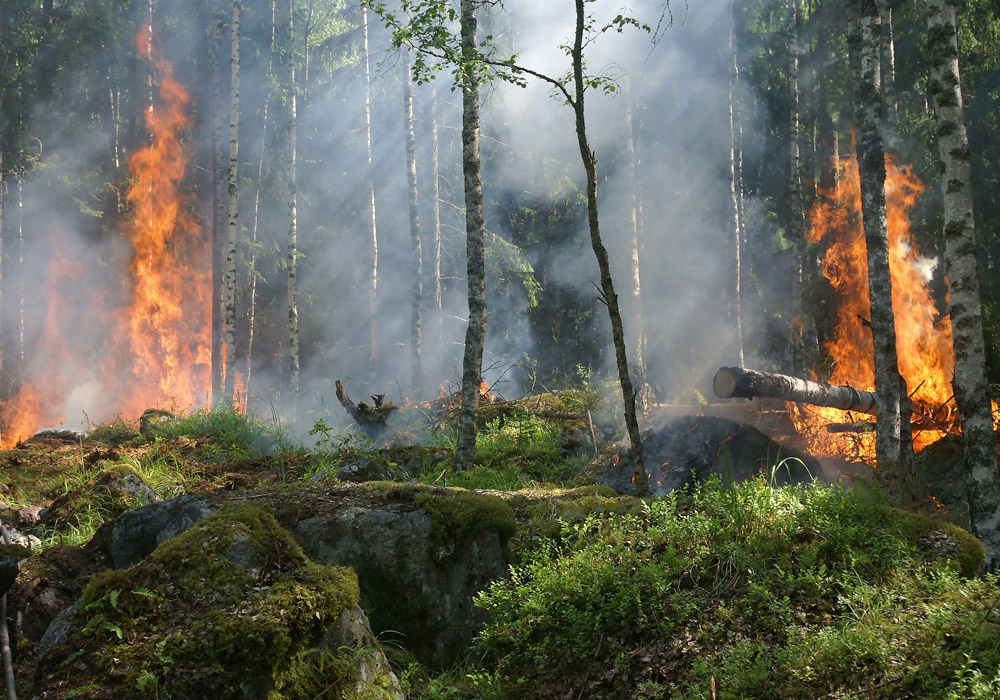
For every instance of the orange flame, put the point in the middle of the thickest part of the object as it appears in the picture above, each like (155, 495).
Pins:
(923, 337)
(159, 353)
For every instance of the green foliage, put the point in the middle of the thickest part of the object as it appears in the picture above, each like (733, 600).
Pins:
(772, 592)
(234, 432)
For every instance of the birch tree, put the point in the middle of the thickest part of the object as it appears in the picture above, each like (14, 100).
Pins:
(475, 334)
(888, 64)
(372, 275)
(215, 109)
(233, 211)
(252, 265)
(970, 383)
(734, 214)
(291, 260)
(863, 44)
(416, 252)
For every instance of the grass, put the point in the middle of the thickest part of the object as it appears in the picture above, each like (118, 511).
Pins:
(772, 592)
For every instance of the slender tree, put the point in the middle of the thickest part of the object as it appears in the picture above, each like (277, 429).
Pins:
(796, 220)
(436, 300)
(890, 128)
(632, 224)
(252, 265)
(609, 297)
(232, 225)
(372, 275)
(293, 253)
(215, 107)
(734, 214)
(863, 44)
(417, 256)
(475, 335)
(970, 383)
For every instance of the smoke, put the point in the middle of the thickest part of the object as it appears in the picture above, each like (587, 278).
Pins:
(542, 305)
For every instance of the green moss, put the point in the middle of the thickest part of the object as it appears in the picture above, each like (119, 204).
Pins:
(230, 604)
(942, 540)
(457, 514)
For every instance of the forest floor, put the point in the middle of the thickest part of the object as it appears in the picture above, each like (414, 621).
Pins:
(753, 591)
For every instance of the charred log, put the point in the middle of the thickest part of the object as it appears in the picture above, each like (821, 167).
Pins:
(732, 382)
(371, 418)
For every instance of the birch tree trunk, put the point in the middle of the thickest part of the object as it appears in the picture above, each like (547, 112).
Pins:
(475, 335)
(215, 77)
(370, 211)
(796, 221)
(734, 221)
(632, 207)
(863, 43)
(232, 224)
(888, 62)
(970, 384)
(436, 300)
(252, 291)
(417, 257)
(292, 259)
(607, 285)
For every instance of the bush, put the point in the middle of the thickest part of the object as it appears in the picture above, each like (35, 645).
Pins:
(773, 593)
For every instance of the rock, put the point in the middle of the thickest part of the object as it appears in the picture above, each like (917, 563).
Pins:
(230, 609)
(135, 534)
(418, 576)
(353, 631)
(56, 632)
(695, 447)
(421, 554)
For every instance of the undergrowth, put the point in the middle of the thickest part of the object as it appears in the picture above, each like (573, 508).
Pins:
(764, 592)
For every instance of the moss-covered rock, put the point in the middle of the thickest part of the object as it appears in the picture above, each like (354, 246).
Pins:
(229, 609)
(939, 540)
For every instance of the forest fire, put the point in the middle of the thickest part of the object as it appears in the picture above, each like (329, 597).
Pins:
(923, 336)
(155, 350)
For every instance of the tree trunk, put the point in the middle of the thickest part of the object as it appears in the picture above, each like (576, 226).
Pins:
(370, 211)
(607, 285)
(796, 220)
(736, 382)
(970, 384)
(252, 291)
(888, 64)
(417, 259)
(475, 335)
(293, 254)
(863, 42)
(436, 300)
(215, 107)
(734, 221)
(232, 225)
(632, 208)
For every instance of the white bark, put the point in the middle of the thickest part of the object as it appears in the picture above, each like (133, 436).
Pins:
(417, 257)
(292, 258)
(863, 43)
(370, 211)
(232, 225)
(971, 387)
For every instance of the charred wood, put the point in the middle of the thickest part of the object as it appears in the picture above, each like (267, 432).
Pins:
(371, 418)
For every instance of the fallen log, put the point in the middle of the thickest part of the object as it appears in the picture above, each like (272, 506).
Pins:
(733, 382)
